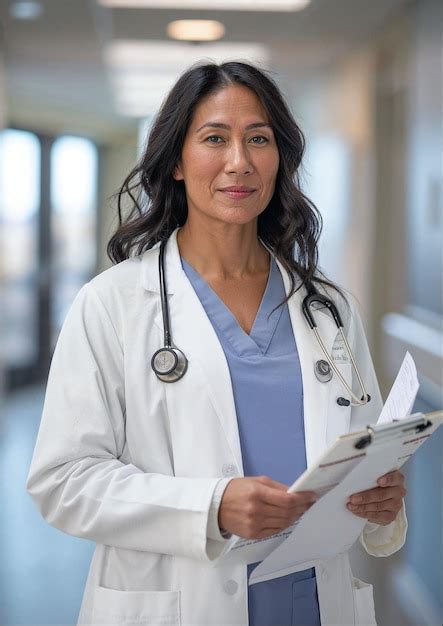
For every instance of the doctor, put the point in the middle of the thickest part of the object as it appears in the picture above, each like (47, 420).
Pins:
(160, 474)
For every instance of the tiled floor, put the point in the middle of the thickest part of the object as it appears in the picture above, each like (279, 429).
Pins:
(42, 571)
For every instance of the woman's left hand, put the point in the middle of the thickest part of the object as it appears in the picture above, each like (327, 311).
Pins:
(381, 504)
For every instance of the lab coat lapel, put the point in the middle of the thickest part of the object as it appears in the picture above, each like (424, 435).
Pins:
(316, 395)
(192, 332)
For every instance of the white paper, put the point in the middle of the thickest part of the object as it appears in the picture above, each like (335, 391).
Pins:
(403, 393)
(248, 551)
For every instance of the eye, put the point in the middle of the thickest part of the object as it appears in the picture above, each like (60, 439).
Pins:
(214, 139)
(259, 140)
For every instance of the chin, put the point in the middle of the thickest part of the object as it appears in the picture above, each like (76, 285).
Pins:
(237, 215)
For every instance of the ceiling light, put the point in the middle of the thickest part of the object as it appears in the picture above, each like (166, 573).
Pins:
(216, 5)
(196, 30)
(175, 57)
(25, 10)
(142, 72)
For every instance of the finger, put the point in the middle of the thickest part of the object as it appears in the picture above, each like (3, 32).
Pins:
(391, 479)
(267, 532)
(269, 482)
(393, 504)
(275, 484)
(379, 494)
(286, 500)
(282, 513)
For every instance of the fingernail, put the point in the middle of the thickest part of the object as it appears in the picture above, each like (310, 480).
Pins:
(356, 499)
(383, 481)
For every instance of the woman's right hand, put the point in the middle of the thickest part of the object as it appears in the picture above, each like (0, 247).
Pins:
(258, 507)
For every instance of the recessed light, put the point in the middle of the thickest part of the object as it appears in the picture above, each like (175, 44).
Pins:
(196, 30)
(25, 10)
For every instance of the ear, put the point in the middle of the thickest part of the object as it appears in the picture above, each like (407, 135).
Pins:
(177, 173)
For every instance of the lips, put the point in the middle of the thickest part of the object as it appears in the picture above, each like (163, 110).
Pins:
(238, 191)
(238, 188)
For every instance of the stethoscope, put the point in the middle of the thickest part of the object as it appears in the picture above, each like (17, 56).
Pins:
(323, 369)
(170, 364)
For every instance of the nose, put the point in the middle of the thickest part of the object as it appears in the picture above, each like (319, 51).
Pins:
(238, 160)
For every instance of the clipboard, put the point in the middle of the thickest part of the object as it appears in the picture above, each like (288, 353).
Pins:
(349, 450)
(352, 464)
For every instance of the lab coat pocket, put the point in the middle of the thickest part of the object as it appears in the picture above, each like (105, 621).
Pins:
(364, 610)
(153, 608)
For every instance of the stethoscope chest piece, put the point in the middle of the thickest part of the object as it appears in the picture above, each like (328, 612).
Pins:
(323, 371)
(169, 364)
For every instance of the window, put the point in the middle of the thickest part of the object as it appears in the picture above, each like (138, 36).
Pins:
(48, 243)
(20, 155)
(73, 222)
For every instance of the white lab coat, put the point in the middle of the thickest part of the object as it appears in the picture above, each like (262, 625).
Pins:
(131, 462)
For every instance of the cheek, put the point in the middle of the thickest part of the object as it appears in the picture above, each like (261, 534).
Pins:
(200, 167)
(270, 168)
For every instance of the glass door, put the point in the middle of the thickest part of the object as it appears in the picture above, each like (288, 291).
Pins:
(48, 244)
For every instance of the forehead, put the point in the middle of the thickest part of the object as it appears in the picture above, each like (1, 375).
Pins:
(235, 102)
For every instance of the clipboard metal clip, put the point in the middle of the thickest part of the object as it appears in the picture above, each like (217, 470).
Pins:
(416, 423)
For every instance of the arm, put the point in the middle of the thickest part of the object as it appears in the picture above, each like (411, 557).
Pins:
(77, 477)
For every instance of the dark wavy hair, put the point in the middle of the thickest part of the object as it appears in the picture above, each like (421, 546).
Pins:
(290, 225)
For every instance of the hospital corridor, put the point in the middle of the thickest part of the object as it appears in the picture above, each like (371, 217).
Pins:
(81, 86)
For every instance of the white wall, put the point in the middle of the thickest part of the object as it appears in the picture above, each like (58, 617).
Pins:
(335, 111)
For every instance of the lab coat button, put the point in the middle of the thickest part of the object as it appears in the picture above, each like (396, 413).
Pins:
(230, 587)
(229, 469)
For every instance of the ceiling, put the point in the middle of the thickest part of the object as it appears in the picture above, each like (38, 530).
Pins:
(56, 73)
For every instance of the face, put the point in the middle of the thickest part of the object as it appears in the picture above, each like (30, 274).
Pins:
(230, 159)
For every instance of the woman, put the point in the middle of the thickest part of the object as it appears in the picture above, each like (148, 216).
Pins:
(160, 474)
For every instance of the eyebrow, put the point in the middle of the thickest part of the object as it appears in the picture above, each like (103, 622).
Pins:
(227, 127)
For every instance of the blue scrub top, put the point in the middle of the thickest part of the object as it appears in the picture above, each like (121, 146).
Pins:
(268, 395)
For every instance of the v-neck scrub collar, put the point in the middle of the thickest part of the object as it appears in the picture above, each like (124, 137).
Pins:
(262, 331)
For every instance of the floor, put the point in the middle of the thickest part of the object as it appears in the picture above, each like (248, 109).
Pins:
(42, 570)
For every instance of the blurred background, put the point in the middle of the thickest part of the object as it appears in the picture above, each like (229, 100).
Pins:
(79, 83)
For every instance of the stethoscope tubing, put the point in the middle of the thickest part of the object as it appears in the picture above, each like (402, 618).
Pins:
(178, 370)
(164, 296)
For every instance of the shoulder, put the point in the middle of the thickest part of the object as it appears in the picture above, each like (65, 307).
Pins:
(125, 280)
(116, 289)
(120, 279)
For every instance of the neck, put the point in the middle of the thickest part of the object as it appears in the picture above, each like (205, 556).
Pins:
(223, 251)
